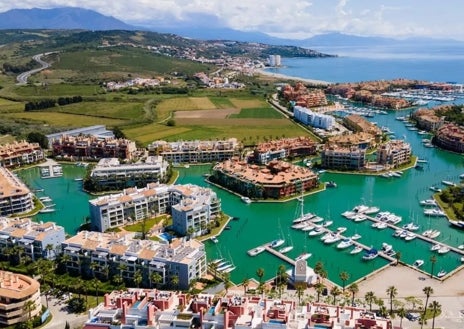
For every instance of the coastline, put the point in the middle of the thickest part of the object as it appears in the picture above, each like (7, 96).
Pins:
(288, 77)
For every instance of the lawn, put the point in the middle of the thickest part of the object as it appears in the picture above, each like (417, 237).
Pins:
(64, 119)
(221, 102)
(260, 112)
(56, 90)
(114, 110)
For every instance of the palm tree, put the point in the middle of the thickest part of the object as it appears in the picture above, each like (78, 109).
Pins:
(156, 278)
(300, 288)
(335, 291)
(245, 284)
(96, 284)
(427, 291)
(227, 282)
(49, 247)
(436, 309)
(260, 274)
(433, 260)
(344, 276)
(370, 298)
(401, 313)
(174, 281)
(353, 288)
(29, 306)
(392, 292)
(138, 278)
(319, 289)
(398, 257)
(413, 301)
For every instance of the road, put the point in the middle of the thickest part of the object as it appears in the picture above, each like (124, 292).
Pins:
(22, 78)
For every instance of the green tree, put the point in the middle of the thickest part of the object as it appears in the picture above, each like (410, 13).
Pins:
(392, 292)
(156, 278)
(245, 284)
(29, 306)
(175, 281)
(427, 291)
(96, 285)
(433, 260)
(353, 289)
(344, 276)
(260, 274)
(370, 298)
(319, 289)
(300, 288)
(401, 312)
(138, 278)
(436, 309)
(335, 291)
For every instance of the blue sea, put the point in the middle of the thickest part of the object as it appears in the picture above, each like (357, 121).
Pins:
(354, 64)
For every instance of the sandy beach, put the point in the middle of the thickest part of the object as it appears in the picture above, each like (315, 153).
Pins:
(287, 77)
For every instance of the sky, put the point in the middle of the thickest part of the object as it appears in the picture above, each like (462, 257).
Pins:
(295, 19)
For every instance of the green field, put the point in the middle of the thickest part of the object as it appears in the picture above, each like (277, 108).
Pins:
(261, 112)
(64, 119)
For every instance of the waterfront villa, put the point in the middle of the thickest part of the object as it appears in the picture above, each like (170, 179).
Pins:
(135, 204)
(19, 153)
(427, 119)
(283, 148)
(276, 180)
(394, 153)
(150, 308)
(450, 137)
(361, 140)
(304, 97)
(343, 158)
(18, 294)
(15, 196)
(111, 174)
(90, 147)
(357, 123)
(195, 151)
(38, 240)
(124, 254)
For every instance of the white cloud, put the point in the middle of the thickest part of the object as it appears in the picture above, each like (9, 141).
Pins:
(301, 18)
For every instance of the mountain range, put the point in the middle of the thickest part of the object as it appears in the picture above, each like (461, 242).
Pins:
(84, 19)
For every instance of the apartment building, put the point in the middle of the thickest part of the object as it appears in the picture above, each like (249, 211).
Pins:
(17, 291)
(394, 153)
(91, 147)
(97, 131)
(343, 158)
(122, 254)
(195, 151)
(357, 123)
(15, 196)
(427, 119)
(450, 137)
(275, 180)
(39, 240)
(283, 148)
(111, 174)
(313, 119)
(134, 204)
(20, 153)
(361, 140)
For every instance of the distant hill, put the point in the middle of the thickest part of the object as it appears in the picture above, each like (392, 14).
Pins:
(68, 18)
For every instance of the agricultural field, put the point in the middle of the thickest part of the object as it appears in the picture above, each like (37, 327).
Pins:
(64, 119)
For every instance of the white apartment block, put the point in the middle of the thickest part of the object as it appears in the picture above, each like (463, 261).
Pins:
(195, 151)
(15, 196)
(313, 119)
(39, 240)
(134, 204)
(122, 254)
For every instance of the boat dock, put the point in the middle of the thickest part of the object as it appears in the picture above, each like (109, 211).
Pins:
(279, 254)
(50, 169)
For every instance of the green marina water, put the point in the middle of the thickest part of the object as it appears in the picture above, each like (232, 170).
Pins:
(260, 223)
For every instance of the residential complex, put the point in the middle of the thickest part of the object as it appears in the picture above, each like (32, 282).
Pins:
(90, 147)
(427, 119)
(198, 205)
(111, 174)
(98, 131)
(450, 137)
(302, 96)
(143, 308)
(358, 124)
(283, 148)
(343, 158)
(122, 254)
(19, 153)
(19, 298)
(313, 119)
(38, 240)
(15, 196)
(361, 140)
(394, 153)
(195, 151)
(276, 180)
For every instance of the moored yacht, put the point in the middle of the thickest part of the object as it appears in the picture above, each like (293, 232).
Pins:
(370, 254)
(304, 255)
(356, 250)
(345, 243)
(418, 263)
(256, 251)
(276, 243)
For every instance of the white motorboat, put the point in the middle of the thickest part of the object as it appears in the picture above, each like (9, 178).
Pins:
(443, 250)
(214, 239)
(427, 233)
(285, 249)
(410, 236)
(308, 228)
(435, 189)
(434, 234)
(327, 223)
(381, 225)
(435, 247)
(341, 229)
(428, 202)
(411, 226)
(256, 251)
(276, 243)
(386, 247)
(300, 225)
(348, 214)
(372, 210)
(229, 269)
(47, 210)
(317, 231)
(441, 274)
(360, 209)
(448, 183)
(418, 263)
(246, 199)
(356, 236)
(316, 219)
(359, 218)
(370, 254)
(345, 243)
(356, 250)
(331, 239)
(45, 199)
(304, 255)
(434, 212)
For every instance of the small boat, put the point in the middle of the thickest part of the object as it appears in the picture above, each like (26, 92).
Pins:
(434, 234)
(372, 210)
(418, 263)
(225, 267)
(47, 210)
(78, 179)
(349, 214)
(317, 231)
(448, 183)
(370, 254)
(428, 202)
(229, 269)
(341, 229)
(332, 238)
(434, 212)
(359, 218)
(435, 247)
(345, 243)
(316, 219)
(458, 224)
(285, 249)
(421, 161)
(308, 228)
(427, 233)
(256, 251)
(461, 247)
(246, 199)
(410, 236)
(356, 250)
(45, 199)
(331, 184)
(441, 274)
(411, 226)
(381, 225)
(214, 239)
(277, 243)
(435, 189)
(356, 236)
(327, 223)
(443, 250)
(304, 256)
(386, 247)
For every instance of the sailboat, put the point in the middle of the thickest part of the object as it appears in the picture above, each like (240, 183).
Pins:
(288, 247)
(279, 241)
(302, 215)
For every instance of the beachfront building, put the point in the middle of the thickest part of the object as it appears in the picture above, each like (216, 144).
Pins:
(450, 137)
(427, 119)
(15, 196)
(343, 158)
(302, 96)
(276, 180)
(195, 151)
(135, 204)
(97, 131)
(38, 240)
(19, 298)
(275, 60)
(122, 254)
(361, 140)
(92, 148)
(111, 174)
(394, 153)
(20, 153)
(283, 148)
(313, 119)
(357, 123)
(150, 308)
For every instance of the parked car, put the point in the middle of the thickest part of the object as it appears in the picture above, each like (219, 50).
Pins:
(412, 316)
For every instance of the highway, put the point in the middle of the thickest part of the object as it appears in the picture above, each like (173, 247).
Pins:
(22, 78)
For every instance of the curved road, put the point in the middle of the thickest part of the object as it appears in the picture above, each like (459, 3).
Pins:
(22, 78)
